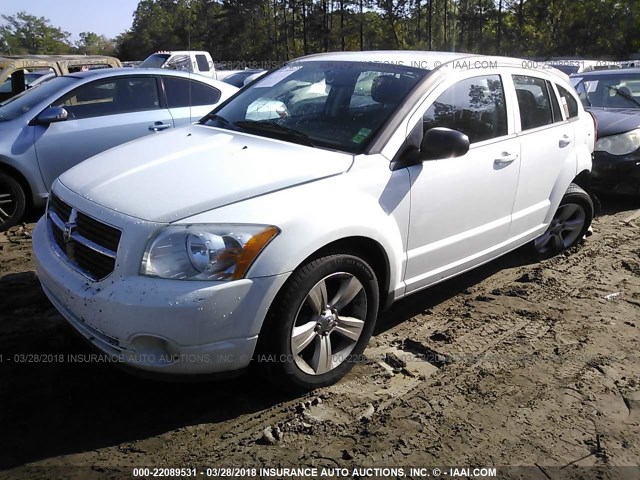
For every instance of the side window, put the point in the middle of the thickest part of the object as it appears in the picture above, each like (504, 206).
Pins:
(203, 64)
(533, 100)
(568, 101)
(111, 97)
(182, 92)
(474, 106)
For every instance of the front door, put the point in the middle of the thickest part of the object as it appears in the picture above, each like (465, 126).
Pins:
(461, 207)
(102, 115)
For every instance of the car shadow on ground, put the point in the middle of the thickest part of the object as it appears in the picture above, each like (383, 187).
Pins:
(33, 215)
(53, 402)
(420, 302)
(56, 400)
(611, 204)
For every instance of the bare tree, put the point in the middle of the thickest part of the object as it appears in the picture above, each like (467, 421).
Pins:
(342, 43)
(499, 28)
(361, 27)
(429, 22)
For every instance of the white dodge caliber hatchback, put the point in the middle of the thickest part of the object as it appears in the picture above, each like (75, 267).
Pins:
(278, 227)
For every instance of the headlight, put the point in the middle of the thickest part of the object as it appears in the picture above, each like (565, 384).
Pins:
(619, 144)
(205, 252)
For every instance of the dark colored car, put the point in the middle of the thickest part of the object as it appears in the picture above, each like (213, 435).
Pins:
(613, 97)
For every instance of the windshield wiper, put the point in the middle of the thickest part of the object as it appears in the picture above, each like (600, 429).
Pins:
(623, 94)
(277, 130)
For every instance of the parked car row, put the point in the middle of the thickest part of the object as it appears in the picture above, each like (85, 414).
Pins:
(197, 62)
(276, 228)
(613, 97)
(16, 70)
(572, 66)
(47, 130)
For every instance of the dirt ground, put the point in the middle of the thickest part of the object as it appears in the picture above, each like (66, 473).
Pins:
(518, 363)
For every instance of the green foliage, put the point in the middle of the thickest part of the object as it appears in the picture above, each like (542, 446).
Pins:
(278, 30)
(267, 32)
(24, 33)
(93, 44)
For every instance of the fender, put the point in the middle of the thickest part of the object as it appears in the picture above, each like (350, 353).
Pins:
(367, 201)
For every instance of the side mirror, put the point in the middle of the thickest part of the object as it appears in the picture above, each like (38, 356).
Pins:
(51, 115)
(440, 142)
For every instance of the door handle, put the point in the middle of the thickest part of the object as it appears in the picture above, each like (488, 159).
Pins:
(159, 126)
(505, 159)
(564, 141)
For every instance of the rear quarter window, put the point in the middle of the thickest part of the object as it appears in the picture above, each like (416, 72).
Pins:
(568, 101)
(182, 92)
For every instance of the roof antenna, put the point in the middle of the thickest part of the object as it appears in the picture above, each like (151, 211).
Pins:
(190, 58)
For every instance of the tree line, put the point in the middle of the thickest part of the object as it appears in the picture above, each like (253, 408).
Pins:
(279, 30)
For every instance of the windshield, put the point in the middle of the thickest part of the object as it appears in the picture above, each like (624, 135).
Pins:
(154, 61)
(336, 105)
(237, 79)
(609, 91)
(25, 101)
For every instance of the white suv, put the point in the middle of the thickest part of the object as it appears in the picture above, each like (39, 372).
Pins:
(374, 175)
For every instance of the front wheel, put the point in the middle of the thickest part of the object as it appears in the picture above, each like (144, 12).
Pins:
(320, 323)
(569, 224)
(12, 202)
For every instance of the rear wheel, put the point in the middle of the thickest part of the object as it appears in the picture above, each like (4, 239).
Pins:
(321, 322)
(12, 202)
(569, 224)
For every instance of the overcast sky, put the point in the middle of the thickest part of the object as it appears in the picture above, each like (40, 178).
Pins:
(104, 17)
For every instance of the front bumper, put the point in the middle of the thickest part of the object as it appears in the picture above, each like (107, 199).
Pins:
(159, 325)
(616, 174)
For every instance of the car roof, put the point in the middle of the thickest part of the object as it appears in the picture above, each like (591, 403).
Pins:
(611, 71)
(426, 60)
(399, 57)
(247, 71)
(130, 72)
(114, 72)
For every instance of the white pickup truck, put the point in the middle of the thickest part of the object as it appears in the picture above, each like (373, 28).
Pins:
(188, 60)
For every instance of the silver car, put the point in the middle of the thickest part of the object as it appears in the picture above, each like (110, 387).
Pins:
(47, 130)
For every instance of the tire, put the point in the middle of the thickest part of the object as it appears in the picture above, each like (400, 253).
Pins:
(320, 323)
(569, 225)
(12, 202)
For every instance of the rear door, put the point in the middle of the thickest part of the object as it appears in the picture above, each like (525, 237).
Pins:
(548, 152)
(102, 114)
(189, 100)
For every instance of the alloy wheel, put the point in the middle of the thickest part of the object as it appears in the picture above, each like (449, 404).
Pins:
(329, 323)
(564, 229)
(8, 205)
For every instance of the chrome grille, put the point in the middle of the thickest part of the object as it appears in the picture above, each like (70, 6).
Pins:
(87, 244)
(62, 209)
(98, 232)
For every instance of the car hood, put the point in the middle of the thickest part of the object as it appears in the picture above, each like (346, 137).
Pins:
(193, 169)
(615, 121)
